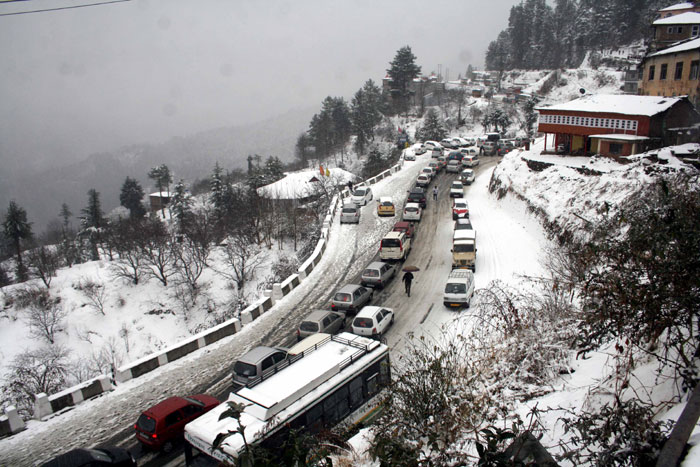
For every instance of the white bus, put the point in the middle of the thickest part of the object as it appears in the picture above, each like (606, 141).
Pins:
(336, 383)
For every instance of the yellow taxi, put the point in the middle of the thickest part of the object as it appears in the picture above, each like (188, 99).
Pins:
(385, 206)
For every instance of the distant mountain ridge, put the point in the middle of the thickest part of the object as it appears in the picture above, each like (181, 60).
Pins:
(41, 193)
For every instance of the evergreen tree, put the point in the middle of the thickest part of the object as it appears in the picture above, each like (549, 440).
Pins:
(65, 214)
(402, 70)
(375, 163)
(303, 150)
(131, 196)
(432, 128)
(530, 116)
(181, 206)
(366, 113)
(17, 229)
(93, 216)
(274, 169)
(216, 196)
(163, 178)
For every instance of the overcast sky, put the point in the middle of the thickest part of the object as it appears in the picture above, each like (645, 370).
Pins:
(92, 79)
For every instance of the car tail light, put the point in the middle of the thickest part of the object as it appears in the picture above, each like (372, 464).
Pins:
(298, 333)
(374, 330)
(154, 436)
(136, 427)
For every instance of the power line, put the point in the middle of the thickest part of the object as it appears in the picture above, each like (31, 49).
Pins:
(56, 9)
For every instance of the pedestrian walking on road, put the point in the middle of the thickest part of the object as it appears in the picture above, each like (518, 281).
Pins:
(435, 193)
(350, 186)
(407, 279)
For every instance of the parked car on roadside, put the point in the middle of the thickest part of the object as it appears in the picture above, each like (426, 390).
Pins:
(350, 213)
(162, 425)
(409, 156)
(395, 246)
(350, 298)
(405, 227)
(423, 180)
(429, 171)
(435, 165)
(417, 195)
(329, 322)
(93, 457)
(446, 143)
(377, 274)
(418, 149)
(385, 206)
(442, 161)
(429, 145)
(412, 212)
(460, 208)
(362, 195)
(372, 321)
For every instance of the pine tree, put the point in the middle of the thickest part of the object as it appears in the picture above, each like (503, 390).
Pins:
(402, 71)
(163, 178)
(303, 150)
(17, 229)
(131, 196)
(366, 113)
(181, 206)
(274, 169)
(432, 128)
(65, 214)
(93, 216)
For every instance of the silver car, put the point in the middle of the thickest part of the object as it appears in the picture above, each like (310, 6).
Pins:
(257, 364)
(350, 298)
(350, 214)
(377, 274)
(329, 322)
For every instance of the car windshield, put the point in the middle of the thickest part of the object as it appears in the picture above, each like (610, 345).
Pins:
(460, 206)
(363, 323)
(370, 273)
(390, 243)
(349, 210)
(464, 248)
(146, 423)
(387, 203)
(359, 192)
(455, 288)
(457, 186)
(411, 209)
(463, 227)
(244, 369)
(342, 297)
(308, 326)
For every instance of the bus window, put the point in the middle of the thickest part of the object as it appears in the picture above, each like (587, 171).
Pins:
(356, 392)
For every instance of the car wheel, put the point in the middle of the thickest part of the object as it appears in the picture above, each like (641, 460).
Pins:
(168, 447)
(392, 320)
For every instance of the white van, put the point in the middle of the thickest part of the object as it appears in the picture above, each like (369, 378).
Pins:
(394, 246)
(459, 288)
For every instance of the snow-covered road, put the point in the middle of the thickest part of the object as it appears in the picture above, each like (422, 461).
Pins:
(509, 243)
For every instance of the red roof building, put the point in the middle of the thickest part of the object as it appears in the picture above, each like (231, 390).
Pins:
(615, 125)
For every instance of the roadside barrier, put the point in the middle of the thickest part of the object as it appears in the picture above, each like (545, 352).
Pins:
(47, 406)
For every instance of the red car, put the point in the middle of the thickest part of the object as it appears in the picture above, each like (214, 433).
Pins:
(406, 227)
(460, 209)
(164, 423)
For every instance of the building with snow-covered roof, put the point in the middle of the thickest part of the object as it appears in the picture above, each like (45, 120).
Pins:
(304, 185)
(670, 30)
(674, 71)
(677, 9)
(159, 200)
(615, 124)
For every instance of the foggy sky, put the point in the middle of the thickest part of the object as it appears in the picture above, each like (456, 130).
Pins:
(85, 80)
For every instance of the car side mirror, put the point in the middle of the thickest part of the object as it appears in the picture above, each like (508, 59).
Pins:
(451, 251)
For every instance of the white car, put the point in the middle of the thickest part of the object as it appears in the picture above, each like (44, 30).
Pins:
(423, 180)
(429, 145)
(361, 196)
(350, 214)
(412, 212)
(418, 149)
(372, 321)
(409, 156)
(467, 176)
(456, 189)
(447, 143)
(429, 171)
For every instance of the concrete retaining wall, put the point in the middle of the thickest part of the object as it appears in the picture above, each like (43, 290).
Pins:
(45, 405)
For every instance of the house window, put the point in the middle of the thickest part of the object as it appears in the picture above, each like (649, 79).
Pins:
(694, 30)
(664, 70)
(675, 29)
(694, 65)
(615, 148)
(652, 68)
(679, 71)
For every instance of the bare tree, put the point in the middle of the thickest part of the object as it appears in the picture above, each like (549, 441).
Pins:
(157, 251)
(43, 263)
(46, 321)
(190, 261)
(95, 294)
(128, 239)
(33, 372)
(242, 258)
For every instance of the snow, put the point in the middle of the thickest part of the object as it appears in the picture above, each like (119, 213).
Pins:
(678, 6)
(623, 104)
(689, 45)
(689, 17)
(621, 137)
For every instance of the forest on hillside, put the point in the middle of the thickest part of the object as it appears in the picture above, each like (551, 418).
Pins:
(540, 36)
